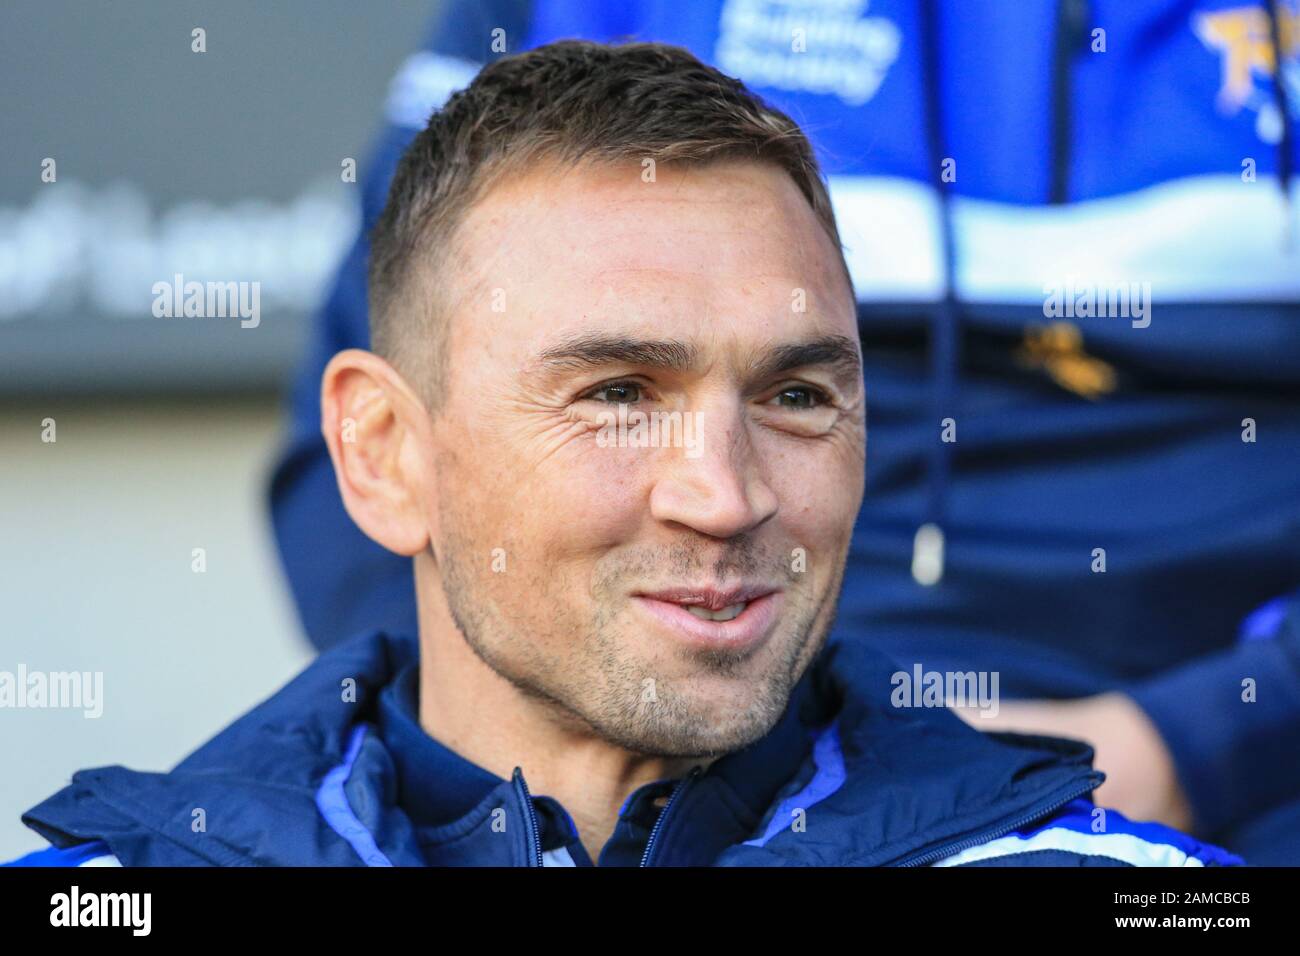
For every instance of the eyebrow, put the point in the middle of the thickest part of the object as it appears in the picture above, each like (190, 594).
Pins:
(836, 352)
(596, 350)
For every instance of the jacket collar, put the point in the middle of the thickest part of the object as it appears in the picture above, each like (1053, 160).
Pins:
(902, 786)
(443, 793)
(436, 785)
(304, 779)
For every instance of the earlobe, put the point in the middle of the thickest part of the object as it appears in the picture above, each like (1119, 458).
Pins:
(376, 432)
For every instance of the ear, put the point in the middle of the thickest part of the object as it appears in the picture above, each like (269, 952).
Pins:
(378, 434)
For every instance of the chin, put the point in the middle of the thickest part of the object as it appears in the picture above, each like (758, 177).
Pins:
(716, 716)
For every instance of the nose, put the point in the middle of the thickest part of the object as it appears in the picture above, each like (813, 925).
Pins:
(718, 489)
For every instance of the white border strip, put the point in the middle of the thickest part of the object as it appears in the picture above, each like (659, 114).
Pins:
(1117, 846)
(1199, 239)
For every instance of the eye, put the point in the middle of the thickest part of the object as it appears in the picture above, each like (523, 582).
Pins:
(616, 393)
(800, 397)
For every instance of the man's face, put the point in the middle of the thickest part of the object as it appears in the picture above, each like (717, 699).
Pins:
(571, 548)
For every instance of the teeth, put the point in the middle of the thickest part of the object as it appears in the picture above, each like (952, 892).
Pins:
(726, 614)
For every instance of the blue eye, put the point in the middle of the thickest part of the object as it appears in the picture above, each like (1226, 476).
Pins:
(617, 393)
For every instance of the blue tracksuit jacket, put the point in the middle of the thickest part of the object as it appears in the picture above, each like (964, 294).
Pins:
(985, 156)
(316, 776)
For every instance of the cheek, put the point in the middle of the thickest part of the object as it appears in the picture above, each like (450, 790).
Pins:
(591, 499)
(820, 490)
(572, 504)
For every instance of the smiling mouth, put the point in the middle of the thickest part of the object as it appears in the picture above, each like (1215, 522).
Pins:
(736, 618)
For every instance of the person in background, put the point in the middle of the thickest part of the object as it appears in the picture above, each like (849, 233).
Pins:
(1072, 238)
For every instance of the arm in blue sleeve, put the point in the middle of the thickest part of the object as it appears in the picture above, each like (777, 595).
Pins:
(1235, 756)
(342, 582)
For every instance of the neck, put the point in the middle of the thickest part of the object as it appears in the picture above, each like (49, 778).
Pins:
(469, 707)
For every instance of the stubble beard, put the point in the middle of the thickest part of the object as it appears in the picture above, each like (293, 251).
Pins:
(607, 690)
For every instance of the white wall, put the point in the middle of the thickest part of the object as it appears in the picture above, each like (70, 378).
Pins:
(96, 535)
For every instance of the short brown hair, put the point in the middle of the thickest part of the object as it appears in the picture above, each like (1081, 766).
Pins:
(568, 101)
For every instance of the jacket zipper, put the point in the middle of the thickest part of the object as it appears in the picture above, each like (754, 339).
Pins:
(663, 814)
(534, 835)
(1038, 812)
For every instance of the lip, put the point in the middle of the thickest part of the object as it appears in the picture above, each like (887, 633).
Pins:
(747, 629)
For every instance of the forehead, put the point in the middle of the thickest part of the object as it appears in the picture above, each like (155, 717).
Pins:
(727, 246)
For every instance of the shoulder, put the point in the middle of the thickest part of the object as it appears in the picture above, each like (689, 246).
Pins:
(94, 853)
(1081, 834)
